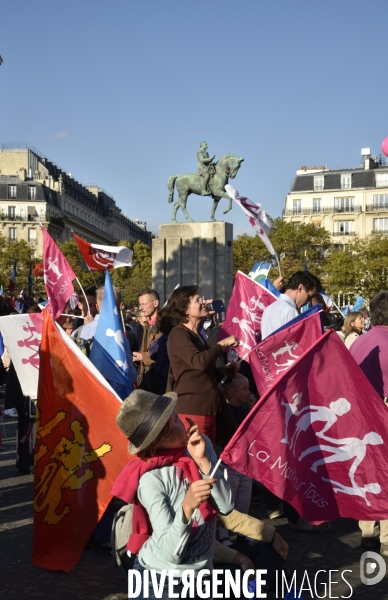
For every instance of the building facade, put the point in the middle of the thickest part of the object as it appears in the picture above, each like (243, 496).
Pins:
(33, 190)
(346, 202)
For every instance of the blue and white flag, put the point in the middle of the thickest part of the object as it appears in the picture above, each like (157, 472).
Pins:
(111, 353)
(259, 271)
(359, 303)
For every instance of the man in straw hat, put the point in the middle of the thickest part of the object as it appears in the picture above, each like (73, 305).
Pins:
(175, 499)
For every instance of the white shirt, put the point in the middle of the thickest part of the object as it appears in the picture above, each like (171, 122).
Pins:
(278, 314)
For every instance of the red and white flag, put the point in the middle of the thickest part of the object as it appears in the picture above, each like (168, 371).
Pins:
(58, 276)
(79, 451)
(319, 438)
(244, 312)
(277, 353)
(257, 216)
(22, 335)
(99, 258)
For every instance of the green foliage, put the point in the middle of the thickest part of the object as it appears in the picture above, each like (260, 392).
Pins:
(11, 250)
(294, 243)
(359, 267)
(132, 280)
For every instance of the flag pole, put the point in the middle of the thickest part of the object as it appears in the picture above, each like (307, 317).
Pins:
(278, 261)
(83, 291)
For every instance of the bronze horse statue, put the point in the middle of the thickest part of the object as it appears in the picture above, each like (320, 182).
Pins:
(190, 183)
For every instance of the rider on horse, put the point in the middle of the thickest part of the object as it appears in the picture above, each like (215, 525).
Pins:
(205, 168)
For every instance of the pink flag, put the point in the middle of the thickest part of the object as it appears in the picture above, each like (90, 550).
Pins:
(58, 276)
(244, 312)
(319, 438)
(275, 355)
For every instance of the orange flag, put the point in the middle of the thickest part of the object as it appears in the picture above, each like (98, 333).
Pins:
(79, 451)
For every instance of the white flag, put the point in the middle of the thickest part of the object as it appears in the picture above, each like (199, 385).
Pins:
(257, 216)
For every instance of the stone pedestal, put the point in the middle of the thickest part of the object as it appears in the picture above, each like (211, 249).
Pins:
(194, 254)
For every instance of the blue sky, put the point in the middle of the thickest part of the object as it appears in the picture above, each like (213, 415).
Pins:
(120, 93)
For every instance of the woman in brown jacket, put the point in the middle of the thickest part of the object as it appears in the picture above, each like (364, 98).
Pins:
(192, 361)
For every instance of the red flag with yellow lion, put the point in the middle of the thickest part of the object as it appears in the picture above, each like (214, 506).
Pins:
(79, 451)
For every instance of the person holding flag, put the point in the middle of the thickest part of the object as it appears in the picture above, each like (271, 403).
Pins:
(300, 289)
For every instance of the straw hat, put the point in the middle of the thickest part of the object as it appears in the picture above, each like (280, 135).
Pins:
(143, 415)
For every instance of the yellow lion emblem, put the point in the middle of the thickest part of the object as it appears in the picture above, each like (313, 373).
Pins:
(68, 457)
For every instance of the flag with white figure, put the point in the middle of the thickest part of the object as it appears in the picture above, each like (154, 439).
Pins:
(110, 352)
(318, 439)
(257, 216)
(245, 309)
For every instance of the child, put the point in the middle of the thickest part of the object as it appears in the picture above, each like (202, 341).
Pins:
(175, 501)
(240, 400)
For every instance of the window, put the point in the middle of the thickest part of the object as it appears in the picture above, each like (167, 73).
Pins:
(317, 205)
(31, 212)
(318, 183)
(12, 233)
(346, 182)
(344, 227)
(343, 204)
(380, 200)
(381, 180)
(12, 192)
(11, 212)
(297, 207)
(31, 192)
(380, 225)
(32, 235)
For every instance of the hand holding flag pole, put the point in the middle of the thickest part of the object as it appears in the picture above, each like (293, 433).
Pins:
(257, 217)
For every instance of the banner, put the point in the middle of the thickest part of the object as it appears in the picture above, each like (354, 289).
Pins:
(319, 438)
(22, 335)
(270, 359)
(99, 258)
(244, 312)
(79, 451)
(58, 276)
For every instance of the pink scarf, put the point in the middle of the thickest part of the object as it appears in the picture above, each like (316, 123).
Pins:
(127, 483)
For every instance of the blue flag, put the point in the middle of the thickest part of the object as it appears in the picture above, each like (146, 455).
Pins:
(110, 352)
(304, 315)
(268, 286)
(359, 303)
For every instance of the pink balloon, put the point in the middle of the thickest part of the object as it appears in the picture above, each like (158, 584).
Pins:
(384, 146)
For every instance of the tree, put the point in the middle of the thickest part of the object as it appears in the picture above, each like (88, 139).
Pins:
(135, 279)
(12, 251)
(293, 242)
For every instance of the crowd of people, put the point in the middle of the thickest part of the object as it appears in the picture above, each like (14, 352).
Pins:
(188, 401)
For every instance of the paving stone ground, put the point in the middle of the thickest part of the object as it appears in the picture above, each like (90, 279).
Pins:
(95, 578)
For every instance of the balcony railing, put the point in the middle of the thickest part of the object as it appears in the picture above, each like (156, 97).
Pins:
(344, 233)
(322, 211)
(6, 217)
(375, 207)
(380, 231)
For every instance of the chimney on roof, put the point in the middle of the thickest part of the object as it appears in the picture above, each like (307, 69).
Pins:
(369, 163)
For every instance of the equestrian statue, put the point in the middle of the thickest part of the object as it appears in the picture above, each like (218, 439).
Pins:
(209, 181)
